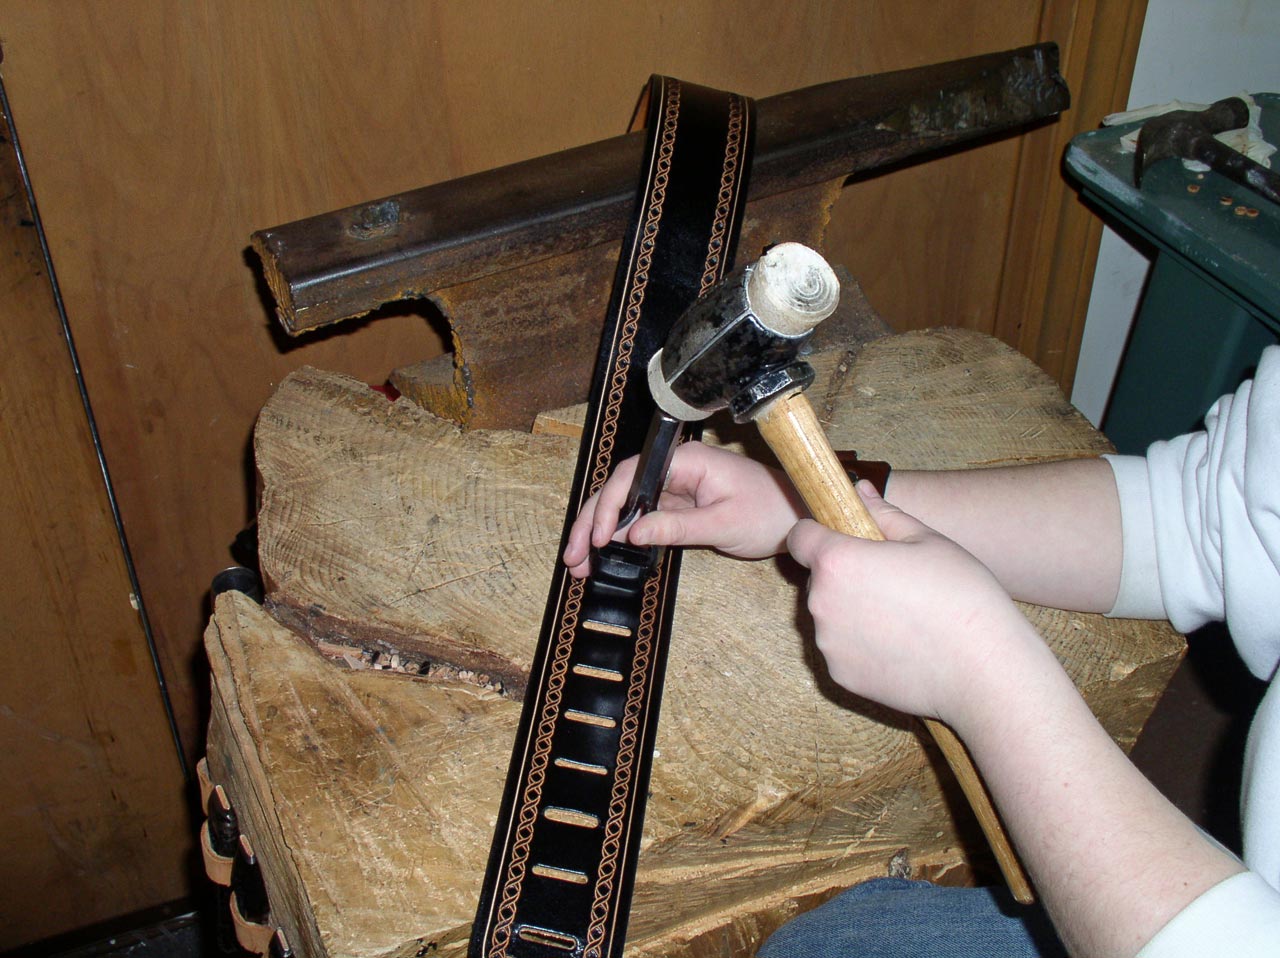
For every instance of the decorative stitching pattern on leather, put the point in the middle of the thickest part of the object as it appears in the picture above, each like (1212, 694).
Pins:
(517, 867)
(632, 723)
(636, 290)
(730, 183)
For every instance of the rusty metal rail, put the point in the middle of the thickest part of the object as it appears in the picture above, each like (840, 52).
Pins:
(345, 263)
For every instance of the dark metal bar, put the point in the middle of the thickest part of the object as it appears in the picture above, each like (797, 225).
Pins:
(341, 264)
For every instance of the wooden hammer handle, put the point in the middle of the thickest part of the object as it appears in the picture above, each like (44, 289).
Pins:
(790, 427)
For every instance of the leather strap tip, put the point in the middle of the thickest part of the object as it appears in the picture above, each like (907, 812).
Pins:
(252, 936)
(217, 867)
(205, 783)
(279, 947)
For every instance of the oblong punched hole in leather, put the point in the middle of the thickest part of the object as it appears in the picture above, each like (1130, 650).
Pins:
(590, 718)
(548, 938)
(581, 766)
(560, 874)
(571, 816)
(608, 628)
(595, 672)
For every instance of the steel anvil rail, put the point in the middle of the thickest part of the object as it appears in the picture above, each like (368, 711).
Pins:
(337, 265)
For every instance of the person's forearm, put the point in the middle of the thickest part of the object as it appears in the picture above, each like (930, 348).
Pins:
(1112, 859)
(917, 624)
(1050, 532)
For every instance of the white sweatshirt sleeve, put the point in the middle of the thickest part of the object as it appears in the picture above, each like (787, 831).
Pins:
(1200, 517)
(1236, 918)
(1201, 523)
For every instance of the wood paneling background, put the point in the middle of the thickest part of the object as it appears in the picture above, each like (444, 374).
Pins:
(90, 785)
(160, 135)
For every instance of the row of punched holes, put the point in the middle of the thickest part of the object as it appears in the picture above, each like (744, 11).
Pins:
(568, 816)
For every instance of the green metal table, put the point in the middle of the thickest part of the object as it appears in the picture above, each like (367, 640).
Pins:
(1212, 301)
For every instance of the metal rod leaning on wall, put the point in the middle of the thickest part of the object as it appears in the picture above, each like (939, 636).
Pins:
(134, 585)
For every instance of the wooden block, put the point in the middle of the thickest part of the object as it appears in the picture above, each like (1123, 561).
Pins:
(370, 794)
(567, 421)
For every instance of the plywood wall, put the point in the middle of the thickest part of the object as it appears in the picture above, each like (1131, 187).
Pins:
(161, 134)
(90, 784)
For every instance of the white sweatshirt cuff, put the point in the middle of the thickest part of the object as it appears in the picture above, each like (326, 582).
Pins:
(1236, 918)
(1139, 593)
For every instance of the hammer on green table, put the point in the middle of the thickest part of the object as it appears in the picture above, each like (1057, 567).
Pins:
(1192, 135)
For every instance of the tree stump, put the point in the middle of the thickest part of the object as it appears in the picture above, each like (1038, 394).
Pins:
(363, 718)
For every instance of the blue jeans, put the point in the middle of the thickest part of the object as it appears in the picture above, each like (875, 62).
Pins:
(896, 918)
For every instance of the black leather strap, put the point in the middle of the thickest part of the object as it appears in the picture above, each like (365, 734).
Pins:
(562, 863)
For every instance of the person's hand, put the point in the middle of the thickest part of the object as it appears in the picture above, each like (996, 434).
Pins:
(915, 622)
(712, 498)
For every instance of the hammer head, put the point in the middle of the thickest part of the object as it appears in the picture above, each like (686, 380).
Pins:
(1186, 134)
(738, 346)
